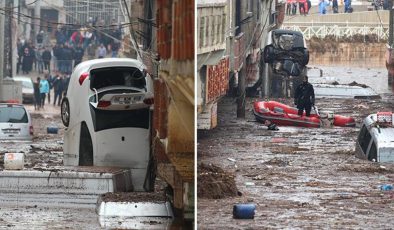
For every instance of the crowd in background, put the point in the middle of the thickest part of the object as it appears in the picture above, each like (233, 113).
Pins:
(55, 59)
(304, 6)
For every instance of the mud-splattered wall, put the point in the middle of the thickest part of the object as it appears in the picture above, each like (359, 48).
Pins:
(356, 52)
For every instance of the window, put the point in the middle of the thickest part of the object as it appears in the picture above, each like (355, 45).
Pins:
(202, 31)
(217, 37)
(212, 30)
(117, 76)
(373, 152)
(107, 119)
(206, 42)
(364, 138)
(12, 114)
(223, 27)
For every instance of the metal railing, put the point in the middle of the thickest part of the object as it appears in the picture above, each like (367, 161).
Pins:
(338, 30)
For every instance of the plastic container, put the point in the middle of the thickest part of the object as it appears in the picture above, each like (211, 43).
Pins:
(244, 211)
(52, 129)
(14, 161)
(386, 187)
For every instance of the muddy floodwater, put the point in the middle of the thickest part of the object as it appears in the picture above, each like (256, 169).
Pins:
(300, 177)
(59, 211)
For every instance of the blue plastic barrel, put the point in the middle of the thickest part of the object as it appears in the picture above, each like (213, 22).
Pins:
(52, 130)
(244, 211)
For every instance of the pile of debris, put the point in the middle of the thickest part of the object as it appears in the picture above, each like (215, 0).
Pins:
(214, 183)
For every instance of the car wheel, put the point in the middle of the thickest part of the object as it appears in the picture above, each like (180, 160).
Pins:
(390, 79)
(85, 147)
(65, 112)
(269, 54)
(305, 57)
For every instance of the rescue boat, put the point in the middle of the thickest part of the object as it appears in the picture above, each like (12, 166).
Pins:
(284, 115)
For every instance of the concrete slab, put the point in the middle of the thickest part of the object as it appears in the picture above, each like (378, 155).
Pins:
(65, 181)
(343, 91)
(136, 223)
(135, 209)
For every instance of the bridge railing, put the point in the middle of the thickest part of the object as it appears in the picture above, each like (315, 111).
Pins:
(338, 30)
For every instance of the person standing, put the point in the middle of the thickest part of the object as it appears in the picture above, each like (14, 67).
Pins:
(44, 89)
(50, 80)
(37, 95)
(40, 60)
(46, 58)
(78, 55)
(58, 86)
(304, 97)
(101, 51)
(27, 60)
(288, 7)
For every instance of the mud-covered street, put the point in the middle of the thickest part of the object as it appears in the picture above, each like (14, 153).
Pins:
(297, 177)
(61, 211)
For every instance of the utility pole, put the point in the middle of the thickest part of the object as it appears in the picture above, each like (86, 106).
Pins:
(2, 22)
(8, 51)
(37, 15)
(391, 25)
(241, 94)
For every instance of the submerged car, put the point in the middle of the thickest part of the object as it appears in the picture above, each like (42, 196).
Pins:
(108, 114)
(15, 122)
(286, 52)
(27, 89)
(286, 57)
(375, 140)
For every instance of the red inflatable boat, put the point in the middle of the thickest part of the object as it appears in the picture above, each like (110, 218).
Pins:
(284, 115)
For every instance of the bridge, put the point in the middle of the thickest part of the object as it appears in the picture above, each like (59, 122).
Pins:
(340, 25)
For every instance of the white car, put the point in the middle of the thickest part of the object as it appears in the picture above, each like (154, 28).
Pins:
(108, 114)
(375, 140)
(15, 122)
(27, 89)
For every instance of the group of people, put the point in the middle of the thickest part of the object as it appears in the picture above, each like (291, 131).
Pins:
(303, 5)
(43, 87)
(56, 62)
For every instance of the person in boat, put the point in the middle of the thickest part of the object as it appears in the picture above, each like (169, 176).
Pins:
(304, 97)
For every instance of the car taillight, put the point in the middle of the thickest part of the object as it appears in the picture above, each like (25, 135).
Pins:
(83, 77)
(31, 130)
(103, 104)
(149, 101)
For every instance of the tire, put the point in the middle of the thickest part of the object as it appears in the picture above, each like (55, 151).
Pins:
(65, 112)
(305, 57)
(85, 147)
(390, 79)
(269, 54)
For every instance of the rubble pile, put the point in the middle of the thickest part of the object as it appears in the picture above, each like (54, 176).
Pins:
(214, 183)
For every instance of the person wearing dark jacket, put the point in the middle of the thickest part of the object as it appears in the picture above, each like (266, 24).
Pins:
(37, 95)
(46, 58)
(68, 54)
(58, 85)
(304, 97)
(78, 55)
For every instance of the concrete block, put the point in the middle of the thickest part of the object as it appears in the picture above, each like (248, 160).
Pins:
(14, 161)
(134, 209)
(64, 182)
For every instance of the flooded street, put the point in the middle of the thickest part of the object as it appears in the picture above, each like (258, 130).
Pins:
(37, 211)
(300, 177)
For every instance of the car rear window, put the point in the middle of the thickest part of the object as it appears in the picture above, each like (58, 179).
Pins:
(117, 76)
(107, 119)
(13, 115)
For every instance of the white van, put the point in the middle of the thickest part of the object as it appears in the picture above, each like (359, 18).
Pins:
(15, 122)
(375, 140)
(108, 112)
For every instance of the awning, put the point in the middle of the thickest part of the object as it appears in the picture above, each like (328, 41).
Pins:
(211, 58)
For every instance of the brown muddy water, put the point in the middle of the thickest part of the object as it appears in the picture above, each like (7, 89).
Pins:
(300, 177)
